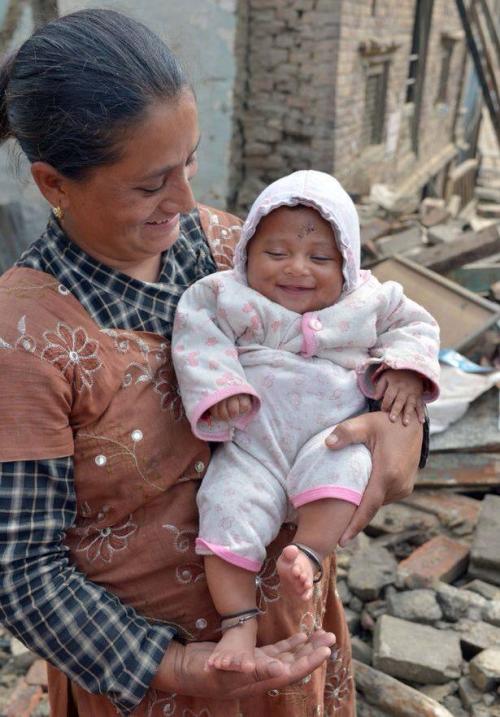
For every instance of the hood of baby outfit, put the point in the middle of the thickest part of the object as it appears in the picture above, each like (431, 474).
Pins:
(325, 194)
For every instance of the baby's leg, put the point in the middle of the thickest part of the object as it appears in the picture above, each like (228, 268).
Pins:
(233, 592)
(320, 525)
(242, 507)
(325, 487)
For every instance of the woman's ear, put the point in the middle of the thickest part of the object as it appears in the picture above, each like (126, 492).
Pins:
(51, 183)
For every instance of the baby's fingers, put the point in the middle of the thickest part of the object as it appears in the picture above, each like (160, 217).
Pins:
(420, 409)
(220, 411)
(389, 398)
(410, 407)
(233, 407)
(245, 404)
(397, 407)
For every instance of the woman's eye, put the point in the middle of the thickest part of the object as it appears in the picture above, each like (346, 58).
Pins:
(151, 190)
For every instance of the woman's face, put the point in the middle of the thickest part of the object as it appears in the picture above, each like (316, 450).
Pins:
(127, 213)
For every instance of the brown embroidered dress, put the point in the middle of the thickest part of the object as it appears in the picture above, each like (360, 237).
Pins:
(108, 397)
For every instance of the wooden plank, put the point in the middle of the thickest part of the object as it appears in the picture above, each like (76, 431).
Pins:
(470, 247)
(461, 471)
(462, 316)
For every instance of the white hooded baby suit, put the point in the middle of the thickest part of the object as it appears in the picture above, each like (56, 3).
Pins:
(305, 374)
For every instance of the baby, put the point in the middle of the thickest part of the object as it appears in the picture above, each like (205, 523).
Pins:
(269, 357)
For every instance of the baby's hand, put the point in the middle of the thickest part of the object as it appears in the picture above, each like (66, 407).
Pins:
(402, 394)
(231, 407)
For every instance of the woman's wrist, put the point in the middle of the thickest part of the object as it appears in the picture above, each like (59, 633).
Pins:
(374, 405)
(166, 678)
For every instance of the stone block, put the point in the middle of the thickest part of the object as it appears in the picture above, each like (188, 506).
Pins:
(415, 605)
(491, 612)
(352, 619)
(457, 603)
(444, 233)
(361, 650)
(485, 669)
(451, 509)
(438, 559)
(400, 243)
(396, 518)
(418, 653)
(469, 694)
(37, 674)
(24, 700)
(485, 553)
(491, 592)
(477, 635)
(370, 571)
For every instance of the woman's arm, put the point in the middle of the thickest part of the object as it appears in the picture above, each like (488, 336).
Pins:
(85, 631)
(396, 451)
(52, 608)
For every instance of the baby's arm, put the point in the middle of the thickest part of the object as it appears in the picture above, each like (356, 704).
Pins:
(401, 392)
(232, 407)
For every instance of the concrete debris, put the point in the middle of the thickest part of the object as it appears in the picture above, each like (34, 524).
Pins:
(401, 649)
(394, 697)
(370, 571)
(485, 553)
(485, 669)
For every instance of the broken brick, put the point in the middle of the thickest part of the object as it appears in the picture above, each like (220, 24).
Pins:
(439, 559)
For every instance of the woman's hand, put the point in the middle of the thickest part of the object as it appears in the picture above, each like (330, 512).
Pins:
(183, 669)
(395, 450)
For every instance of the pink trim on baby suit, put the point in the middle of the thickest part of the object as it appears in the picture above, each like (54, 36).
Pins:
(209, 401)
(326, 491)
(309, 342)
(222, 552)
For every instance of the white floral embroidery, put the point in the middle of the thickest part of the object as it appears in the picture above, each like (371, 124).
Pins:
(267, 584)
(123, 450)
(190, 572)
(338, 684)
(74, 353)
(166, 704)
(101, 543)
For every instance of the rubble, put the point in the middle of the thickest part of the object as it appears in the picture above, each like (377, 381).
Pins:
(485, 669)
(485, 553)
(404, 649)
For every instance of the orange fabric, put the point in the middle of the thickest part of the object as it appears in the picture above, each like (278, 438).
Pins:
(112, 396)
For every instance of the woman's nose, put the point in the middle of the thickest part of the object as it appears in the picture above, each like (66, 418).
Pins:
(181, 195)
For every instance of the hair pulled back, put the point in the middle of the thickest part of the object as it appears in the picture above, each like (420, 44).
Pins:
(79, 83)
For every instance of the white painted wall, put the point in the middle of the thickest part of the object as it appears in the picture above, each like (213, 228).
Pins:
(201, 33)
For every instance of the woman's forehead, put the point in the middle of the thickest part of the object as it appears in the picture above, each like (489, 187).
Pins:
(166, 136)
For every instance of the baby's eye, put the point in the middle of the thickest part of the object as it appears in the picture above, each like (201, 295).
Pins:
(275, 253)
(321, 258)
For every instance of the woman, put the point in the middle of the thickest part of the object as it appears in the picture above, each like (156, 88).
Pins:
(99, 469)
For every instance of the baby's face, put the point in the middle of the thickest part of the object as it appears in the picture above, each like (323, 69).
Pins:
(294, 261)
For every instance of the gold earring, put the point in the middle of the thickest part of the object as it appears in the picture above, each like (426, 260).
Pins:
(58, 212)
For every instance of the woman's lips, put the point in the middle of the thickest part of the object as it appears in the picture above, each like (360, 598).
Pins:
(163, 223)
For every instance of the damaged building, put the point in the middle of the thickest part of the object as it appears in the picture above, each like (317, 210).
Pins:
(369, 91)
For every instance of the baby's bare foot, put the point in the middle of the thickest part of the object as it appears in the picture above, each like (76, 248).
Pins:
(296, 572)
(236, 650)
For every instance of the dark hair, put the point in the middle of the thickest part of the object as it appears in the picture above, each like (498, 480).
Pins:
(79, 83)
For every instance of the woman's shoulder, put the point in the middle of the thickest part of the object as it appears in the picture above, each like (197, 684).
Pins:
(222, 231)
(34, 305)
